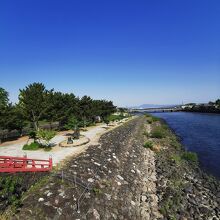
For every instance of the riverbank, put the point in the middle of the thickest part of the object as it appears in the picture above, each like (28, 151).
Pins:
(199, 133)
(136, 171)
(184, 190)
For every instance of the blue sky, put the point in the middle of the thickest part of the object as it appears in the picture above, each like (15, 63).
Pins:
(131, 52)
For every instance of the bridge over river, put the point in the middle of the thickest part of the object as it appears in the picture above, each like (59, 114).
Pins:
(164, 109)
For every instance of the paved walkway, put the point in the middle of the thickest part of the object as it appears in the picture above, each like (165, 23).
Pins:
(58, 153)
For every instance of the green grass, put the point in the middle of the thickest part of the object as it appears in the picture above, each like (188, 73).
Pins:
(158, 132)
(155, 118)
(145, 133)
(151, 118)
(97, 191)
(165, 126)
(190, 156)
(176, 158)
(174, 143)
(9, 189)
(172, 204)
(36, 146)
(116, 117)
(148, 144)
(38, 185)
(32, 146)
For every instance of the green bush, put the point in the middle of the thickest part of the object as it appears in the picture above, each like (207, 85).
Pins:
(32, 146)
(176, 158)
(148, 144)
(165, 126)
(97, 191)
(106, 121)
(32, 135)
(46, 136)
(10, 189)
(154, 118)
(158, 132)
(145, 133)
(72, 123)
(116, 117)
(150, 120)
(85, 123)
(190, 156)
(174, 143)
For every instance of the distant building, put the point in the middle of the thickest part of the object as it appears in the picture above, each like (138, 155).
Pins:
(187, 106)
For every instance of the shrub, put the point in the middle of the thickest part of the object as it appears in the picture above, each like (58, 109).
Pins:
(10, 189)
(145, 133)
(116, 117)
(154, 118)
(72, 123)
(150, 120)
(174, 143)
(32, 135)
(165, 126)
(176, 158)
(158, 132)
(46, 136)
(85, 123)
(190, 156)
(148, 144)
(106, 121)
(97, 191)
(32, 146)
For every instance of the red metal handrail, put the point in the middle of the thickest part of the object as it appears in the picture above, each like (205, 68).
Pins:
(24, 164)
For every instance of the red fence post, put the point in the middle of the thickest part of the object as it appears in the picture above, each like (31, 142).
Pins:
(50, 162)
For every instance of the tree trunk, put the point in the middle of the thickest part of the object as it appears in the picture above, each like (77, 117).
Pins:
(35, 121)
(36, 125)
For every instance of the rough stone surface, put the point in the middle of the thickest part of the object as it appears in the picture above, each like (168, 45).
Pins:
(120, 179)
(184, 190)
(116, 191)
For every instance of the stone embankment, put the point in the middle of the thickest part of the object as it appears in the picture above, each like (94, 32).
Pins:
(118, 178)
(113, 180)
(185, 192)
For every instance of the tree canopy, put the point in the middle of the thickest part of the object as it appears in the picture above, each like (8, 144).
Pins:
(33, 102)
(3, 99)
(37, 103)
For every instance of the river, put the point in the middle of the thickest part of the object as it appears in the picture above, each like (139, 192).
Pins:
(200, 133)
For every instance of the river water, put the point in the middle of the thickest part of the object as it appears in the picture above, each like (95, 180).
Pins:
(200, 133)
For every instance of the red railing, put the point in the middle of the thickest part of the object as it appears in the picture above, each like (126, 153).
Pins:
(24, 164)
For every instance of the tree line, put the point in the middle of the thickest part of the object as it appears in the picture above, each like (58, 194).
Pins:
(37, 103)
(211, 107)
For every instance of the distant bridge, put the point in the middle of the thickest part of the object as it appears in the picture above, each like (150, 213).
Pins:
(152, 110)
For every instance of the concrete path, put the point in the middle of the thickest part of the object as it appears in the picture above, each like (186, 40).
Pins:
(58, 153)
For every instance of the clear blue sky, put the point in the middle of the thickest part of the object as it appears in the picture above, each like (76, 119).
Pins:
(132, 52)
